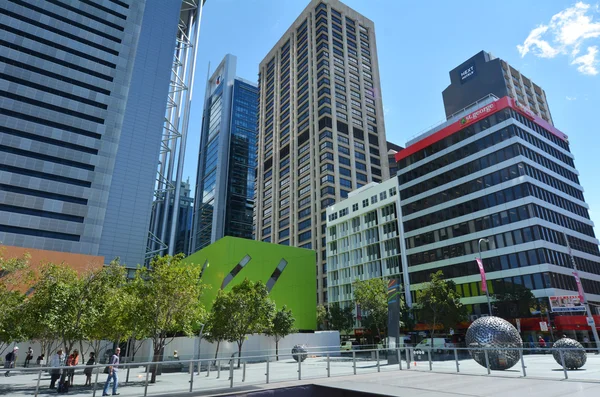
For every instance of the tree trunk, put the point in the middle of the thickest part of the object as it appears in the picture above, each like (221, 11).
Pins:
(276, 349)
(240, 352)
(217, 352)
(156, 358)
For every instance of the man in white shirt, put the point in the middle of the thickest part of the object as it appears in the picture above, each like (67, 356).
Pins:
(113, 369)
(57, 360)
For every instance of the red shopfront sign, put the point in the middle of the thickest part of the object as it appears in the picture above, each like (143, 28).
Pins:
(477, 115)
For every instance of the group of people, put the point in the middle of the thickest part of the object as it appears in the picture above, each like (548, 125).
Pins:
(65, 377)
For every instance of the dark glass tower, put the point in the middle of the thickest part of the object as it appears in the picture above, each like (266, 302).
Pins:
(224, 199)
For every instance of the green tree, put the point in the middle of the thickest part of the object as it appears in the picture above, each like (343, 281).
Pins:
(281, 326)
(56, 308)
(249, 311)
(167, 300)
(341, 318)
(439, 303)
(14, 273)
(371, 295)
(109, 301)
(322, 317)
(517, 303)
(217, 323)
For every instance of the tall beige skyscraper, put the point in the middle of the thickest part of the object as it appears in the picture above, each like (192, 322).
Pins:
(321, 130)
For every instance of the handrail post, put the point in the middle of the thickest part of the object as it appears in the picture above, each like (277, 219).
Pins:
(522, 357)
(429, 355)
(244, 372)
(218, 369)
(328, 366)
(299, 367)
(407, 357)
(267, 374)
(208, 368)
(456, 360)
(399, 356)
(377, 355)
(192, 375)
(147, 374)
(37, 387)
(231, 361)
(96, 381)
(487, 360)
(354, 361)
(562, 360)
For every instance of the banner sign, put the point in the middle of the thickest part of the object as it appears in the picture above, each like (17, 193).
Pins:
(482, 272)
(566, 303)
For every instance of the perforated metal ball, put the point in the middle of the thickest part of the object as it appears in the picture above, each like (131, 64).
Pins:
(494, 333)
(574, 357)
(299, 352)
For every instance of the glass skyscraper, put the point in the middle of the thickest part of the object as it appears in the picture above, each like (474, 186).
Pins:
(83, 89)
(224, 199)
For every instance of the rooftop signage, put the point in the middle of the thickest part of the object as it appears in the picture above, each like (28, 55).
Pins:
(475, 116)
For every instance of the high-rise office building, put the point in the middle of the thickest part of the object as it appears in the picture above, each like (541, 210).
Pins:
(224, 199)
(485, 74)
(321, 130)
(84, 89)
(498, 172)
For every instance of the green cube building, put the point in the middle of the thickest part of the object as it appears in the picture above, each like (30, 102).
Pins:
(288, 272)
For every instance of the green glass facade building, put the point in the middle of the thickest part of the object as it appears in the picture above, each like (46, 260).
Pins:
(288, 273)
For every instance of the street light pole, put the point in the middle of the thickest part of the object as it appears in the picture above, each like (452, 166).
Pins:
(487, 293)
(199, 342)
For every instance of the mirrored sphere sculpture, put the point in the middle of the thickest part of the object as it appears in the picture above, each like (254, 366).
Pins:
(574, 358)
(299, 352)
(495, 334)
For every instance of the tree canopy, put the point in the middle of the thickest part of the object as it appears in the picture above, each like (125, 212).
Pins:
(439, 303)
(371, 295)
(281, 326)
(341, 318)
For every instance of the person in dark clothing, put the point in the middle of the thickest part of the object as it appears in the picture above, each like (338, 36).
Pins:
(10, 360)
(88, 369)
(28, 357)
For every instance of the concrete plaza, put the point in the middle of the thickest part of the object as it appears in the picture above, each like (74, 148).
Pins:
(543, 375)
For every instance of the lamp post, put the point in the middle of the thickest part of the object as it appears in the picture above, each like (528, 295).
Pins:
(199, 342)
(487, 293)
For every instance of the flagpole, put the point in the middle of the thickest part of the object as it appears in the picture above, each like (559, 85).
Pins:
(487, 293)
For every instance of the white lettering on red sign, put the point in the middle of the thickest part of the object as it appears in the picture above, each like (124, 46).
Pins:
(478, 113)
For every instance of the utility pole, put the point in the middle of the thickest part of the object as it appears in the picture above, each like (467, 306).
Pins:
(582, 292)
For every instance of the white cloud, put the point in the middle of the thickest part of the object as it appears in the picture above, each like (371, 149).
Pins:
(570, 98)
(588, 62)
(541, 48)
(565, 34)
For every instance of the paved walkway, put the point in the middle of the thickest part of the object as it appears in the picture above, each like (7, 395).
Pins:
(542, 374)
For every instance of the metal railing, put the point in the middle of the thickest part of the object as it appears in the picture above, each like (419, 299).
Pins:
(324, 364)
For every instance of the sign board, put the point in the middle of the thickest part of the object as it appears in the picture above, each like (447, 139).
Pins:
(566, 303)
(590, 321)
(467, 73)
(543, 326)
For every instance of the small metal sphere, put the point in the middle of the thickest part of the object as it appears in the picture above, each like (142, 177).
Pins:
(574, 358)
(299, 352)
(494, 333)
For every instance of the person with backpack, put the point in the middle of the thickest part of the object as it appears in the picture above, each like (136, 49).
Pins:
(10, 359)
(113, 369)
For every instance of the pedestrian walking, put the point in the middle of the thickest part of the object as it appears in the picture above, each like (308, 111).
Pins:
(28, 357)
(88, 369)
(10, 359)
(113, 369)
(57, 360)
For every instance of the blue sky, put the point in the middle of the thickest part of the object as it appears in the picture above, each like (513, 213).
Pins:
(555, 43)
